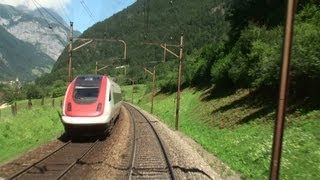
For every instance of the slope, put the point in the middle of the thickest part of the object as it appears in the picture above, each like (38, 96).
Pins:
(21, 59)
(148, 21)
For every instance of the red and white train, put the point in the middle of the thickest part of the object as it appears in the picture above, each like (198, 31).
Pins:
(91, 104)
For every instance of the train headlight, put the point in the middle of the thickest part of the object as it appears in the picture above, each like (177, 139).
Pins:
(99, 107)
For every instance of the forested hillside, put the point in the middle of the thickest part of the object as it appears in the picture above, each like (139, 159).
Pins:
(149, 21)
(232, 44)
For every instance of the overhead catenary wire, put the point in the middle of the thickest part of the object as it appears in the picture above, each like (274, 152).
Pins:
(42, 14)
(86, 8)
(36, 2)
(63, 9)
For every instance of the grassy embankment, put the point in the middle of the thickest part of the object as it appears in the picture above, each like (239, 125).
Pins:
(238, 129)
(29, 128)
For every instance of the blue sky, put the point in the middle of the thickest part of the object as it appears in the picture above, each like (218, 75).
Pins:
(74, 10)
(100, 9)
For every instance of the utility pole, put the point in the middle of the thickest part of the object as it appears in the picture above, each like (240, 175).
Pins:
(132, 84)
(164, 52)
(179, 83)
(96, 70)
(180, 56)
(153, 74)
(279, 124)
(70, 52)
(179, 76)
(104, 67)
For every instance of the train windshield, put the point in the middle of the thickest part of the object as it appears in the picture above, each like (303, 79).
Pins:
(86, 89)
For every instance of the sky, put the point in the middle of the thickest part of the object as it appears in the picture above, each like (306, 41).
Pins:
(83, 13)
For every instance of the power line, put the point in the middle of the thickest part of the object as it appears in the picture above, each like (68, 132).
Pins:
(86, 8)
(64, 10)
(35, 1)
(41, 14)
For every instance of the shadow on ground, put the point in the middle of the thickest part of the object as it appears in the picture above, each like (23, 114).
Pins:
(255, 105)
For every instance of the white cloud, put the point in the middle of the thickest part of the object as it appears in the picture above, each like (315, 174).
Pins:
(53, 4)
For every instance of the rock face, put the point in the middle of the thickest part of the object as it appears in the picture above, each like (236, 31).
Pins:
(31, 42)
(48, 35)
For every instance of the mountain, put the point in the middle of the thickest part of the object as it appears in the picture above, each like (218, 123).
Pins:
(43, 37)
(47, 35)
(202, 22)
(21, 59)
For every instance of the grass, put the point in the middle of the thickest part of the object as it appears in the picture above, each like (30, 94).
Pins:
(238, 129)
(29, 128)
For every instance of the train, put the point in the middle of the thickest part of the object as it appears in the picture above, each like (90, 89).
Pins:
(91, 105)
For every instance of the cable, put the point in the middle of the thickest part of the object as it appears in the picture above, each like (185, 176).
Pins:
(49, 13)
(42, 14)
(64, 10)
(86, 8)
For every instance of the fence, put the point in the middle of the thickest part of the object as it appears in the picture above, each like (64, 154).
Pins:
(29, 104)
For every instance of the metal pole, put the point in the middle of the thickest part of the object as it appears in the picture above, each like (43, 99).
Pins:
(179, 83)
(153, 87)
(125, 49)
(70, 52)
(132, 91)
(96, 70)
(279, 124)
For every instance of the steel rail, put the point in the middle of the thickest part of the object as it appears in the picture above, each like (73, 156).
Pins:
(77, 161)
(160, 142)
(134, 146)
(39, 161)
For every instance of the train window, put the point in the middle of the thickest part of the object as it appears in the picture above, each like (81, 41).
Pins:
(86, 89)
(86, 95)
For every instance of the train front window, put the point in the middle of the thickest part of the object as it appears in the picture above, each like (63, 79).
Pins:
(86, 89)
(86, 95)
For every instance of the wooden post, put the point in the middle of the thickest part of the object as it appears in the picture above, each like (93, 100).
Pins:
(29, 104)
(52, 102)
(15, 108)
(42, 101)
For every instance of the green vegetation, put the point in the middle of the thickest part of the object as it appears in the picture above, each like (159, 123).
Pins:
(238, 129)
(231, 66)
(29, 128)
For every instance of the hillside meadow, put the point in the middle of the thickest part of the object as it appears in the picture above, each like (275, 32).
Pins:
(29, 128)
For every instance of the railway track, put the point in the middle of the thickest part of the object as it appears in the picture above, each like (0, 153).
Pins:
(58, 163)
(149, 157)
